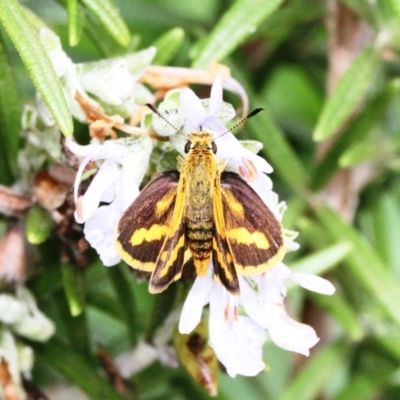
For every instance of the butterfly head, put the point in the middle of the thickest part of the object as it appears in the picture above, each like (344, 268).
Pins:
(200, 140)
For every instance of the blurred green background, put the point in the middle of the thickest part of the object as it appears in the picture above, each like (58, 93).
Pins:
(326, 73)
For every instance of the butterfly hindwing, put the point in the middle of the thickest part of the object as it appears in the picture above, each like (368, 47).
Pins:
(144, 226)
(254, 234)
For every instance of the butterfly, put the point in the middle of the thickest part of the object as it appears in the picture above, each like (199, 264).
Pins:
(200, 212)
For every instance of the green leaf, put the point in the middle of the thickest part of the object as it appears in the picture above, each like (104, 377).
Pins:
(110, 18)
(74, 287)
(386, 222)
(37, 62)
(46, 282)
(341, 310)
(365, 386)
(365, 264)
(369, 376)
(369, 149)
(320, 263)
(167, 45)
(279, 153)
(296, 208)
(317, 373)
(10, 117)
(348, 93)
(105, 44)
(126, 299)
(163, 304)
(104, 302)
(293, 98)
(389, 344)
(39, 225)
(237, 24)
(75, 18)
(76, 369)
(396, 8)
(361, 387)
(76, 327)
(356, 132)
(324, 260)
(279, 27)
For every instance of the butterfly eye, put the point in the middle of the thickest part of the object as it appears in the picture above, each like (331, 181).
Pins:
(187, 147)
(214, 147)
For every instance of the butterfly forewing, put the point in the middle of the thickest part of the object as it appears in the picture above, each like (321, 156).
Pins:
(144, 226)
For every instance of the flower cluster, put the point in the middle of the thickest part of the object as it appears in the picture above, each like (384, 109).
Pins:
(20, 316)
(112, 84)
(238, 325)
(116, 184)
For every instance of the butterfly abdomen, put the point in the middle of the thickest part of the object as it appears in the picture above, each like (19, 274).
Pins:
(199, 235)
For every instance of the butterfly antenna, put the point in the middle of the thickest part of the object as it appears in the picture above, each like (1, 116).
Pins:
(152, 108)
(242, 121)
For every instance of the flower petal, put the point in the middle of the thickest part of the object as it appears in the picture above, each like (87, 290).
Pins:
(250, 301)
(263, 187)
(194, 303)
(134, 166)
(194, 110)
(100, 232)
(35, 326)
(110, 149)
(99, 186)
(234, 86)
(130, 185)
(12, 309)
(215, 98)
(271, 284)
(237, 343)
(290, 334)
(313, 283)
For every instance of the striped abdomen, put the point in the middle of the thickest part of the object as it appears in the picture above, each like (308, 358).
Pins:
(199, 236)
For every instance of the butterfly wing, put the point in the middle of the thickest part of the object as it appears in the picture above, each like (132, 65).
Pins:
(174, 252)
(223, 262)
(143, 228)
(254, 234)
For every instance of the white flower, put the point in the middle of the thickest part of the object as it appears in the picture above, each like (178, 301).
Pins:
(228, 147)
(238, 325)
(34, 325)
(19, 359)
(22, 315)
(145, 354)
(12, 310)
(116, 183)
(237, 339)
(114, 81)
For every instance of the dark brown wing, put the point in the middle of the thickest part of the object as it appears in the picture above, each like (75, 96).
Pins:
(144, 226)
(223, 262)
(254, 234)
(174, 252)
